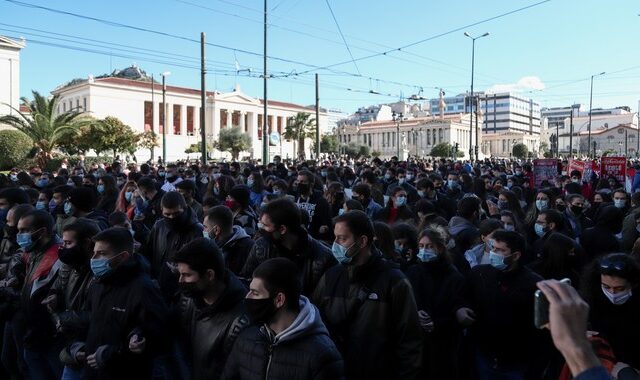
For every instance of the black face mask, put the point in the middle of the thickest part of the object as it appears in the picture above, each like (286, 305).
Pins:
(561, 208)
(177, 221)
(260, 311)
(73, 256)
(303, 188)
(171, 178)
(190, 289)
(576, 210)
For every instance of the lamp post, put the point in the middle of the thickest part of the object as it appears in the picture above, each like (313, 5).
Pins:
(590, 109)
(398, 119)
(473, 55)
(164, 116)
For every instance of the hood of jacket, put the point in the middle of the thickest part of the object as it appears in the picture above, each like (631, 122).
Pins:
(232, 296)
(238, 234)
(308, 322)
(474, 255)
(458, 224)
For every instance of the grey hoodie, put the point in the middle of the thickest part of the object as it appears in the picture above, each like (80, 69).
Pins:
(238, 233)
(308, 321)
(458, 224)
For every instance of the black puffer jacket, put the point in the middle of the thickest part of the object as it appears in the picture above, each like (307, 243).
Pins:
(163, 243)
(438, 288)
(123, 303)
(312, 257)
(72, 289)
(382, 338)
(303, 351)
(211, 330)
(236, 249)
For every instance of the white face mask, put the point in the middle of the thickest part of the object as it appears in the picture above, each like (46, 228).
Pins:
(617, 298)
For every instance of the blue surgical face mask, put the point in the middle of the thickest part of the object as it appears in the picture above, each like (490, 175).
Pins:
(41, 205)
(421, 193)
(617, 298)
(216, 190)
(426, 255)
(102, 267)
(42, 182)
(277, 192)
(542, 205)
(100, 189)
(323, 173)
(539, 229)
(128, 195)
(68, 208)
(452, 183)
(509, 227)
(52, 205)
(400, 201)
(341, 211)
(387, 176)
(340, 253)
(249, 182)
(401, 181)
(25, 240)
(619, 203)
(497, 261)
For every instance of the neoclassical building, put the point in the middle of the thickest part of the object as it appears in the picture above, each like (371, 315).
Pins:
(131, 96)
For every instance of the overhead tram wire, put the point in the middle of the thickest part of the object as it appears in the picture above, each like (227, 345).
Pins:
(458, 29)
(342, 35)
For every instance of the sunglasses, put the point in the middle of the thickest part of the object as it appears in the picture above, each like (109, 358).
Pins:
(606, 264)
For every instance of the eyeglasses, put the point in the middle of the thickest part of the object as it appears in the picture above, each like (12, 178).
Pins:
(618, 265)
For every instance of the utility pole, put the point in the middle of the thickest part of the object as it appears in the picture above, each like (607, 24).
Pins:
(164, 120)
(473, 55)
(557, 140)
(153, 114)
(203, 97)
(590, 110)
(626, 140)
(571, 133)
(317, 119)
(265, 121)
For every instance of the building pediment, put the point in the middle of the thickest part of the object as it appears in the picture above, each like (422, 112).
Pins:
(7, 42)
(237, 96)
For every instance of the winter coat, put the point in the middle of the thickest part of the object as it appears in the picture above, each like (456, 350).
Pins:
(236, 249)
(72, 288)
(123, 303)
(247, 219)
(463, 232)
(629, 232)
(164, 241)
(438, 290)
(319, 213)
(371, 314)
(303, 351)
(312, 258)
(211, 330)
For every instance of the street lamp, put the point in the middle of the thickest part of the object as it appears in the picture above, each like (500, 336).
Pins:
(164, 116)
(473, 52)
(590, 109)
(397, 117)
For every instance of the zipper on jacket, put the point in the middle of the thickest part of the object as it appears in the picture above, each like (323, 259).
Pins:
(270, 352)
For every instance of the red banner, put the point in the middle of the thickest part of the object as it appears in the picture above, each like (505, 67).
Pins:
(578, 165)
(544, 169)
(614, 167)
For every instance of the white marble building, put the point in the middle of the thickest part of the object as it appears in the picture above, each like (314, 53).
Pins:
(9, 74)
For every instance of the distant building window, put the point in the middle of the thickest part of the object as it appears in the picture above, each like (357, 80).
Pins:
(223, 118)
(161, 118)
(260, 124)
(190, 112)
(176, 119)
(148, 116)
(78, 104)
(84, 104)
(280, 125)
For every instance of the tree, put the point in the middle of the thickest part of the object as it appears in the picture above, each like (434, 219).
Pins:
(329, 143)
(301, 127)
(196, 148)
(44, 125)
(116, 136)
(520, 150)
(442, 150)
(233, 140)
(15, 146)
(356, 150)
(148, 140)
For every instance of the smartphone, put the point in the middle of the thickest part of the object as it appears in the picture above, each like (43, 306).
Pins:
(541, 307)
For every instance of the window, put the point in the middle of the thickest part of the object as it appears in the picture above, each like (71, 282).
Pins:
(78, 104)
(260, 119)
(190, 114)
(270, 123)
(223, 119)
(235, 119)
(148, 116)
(161, 118)
(428, 138)
(176, 119)
(280, 125)
(84, 104)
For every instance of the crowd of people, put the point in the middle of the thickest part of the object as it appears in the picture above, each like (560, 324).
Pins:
(366, 269)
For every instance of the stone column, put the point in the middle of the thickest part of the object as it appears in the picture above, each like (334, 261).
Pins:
(156, 117)
(183, 120)
(169, 122)
(242, 123)
(229, 118)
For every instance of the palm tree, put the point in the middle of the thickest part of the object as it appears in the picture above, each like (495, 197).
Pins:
(301, 127)
(44, 125)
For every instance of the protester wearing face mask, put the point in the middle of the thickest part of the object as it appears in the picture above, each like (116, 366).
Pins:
(122, 290)
(8, 243)
(479, 254)
(288, 332)
(362, 193)
(548, 222)
(396, 209)
(463, 226)
(621, 200)
(108, 194)
(610, 289)
(149, 208)
(211, 307)
(188, 191)
(177, 227)
(574, 214)
(438, 290)
(604, 236)
(630, 229)
(81, 204)
(43, 199)
(500, 312)
(68, 297)
(405, 238)
(8, 198)
(283, 236)
(377, 341)
(427, 190)
(232, 240)
(314, 204)
(412, 193)
(453, 189)
(545, 200)
(243, 214)
(171, 178)
(36, 238)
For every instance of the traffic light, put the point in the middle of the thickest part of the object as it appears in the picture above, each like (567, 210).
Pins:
(456, 148)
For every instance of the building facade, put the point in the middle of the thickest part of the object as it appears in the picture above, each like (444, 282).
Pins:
(9, 75)
(130, 96)
(618, 139)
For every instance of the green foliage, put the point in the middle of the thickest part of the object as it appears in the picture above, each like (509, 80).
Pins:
(376, 153)
(148, 140)
(44, 125)
(195, 148)
(520, 150)
(459, 154)
(443, 150)
(15, 147)
(302, 126)
(355, 150)
(329, 144)
(233, 140)
(117, 136)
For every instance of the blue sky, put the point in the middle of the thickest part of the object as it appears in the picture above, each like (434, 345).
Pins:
(547, 52)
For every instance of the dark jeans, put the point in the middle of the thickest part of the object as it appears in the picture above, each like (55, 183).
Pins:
(44, 365)
(12, 362)
(485, 370)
